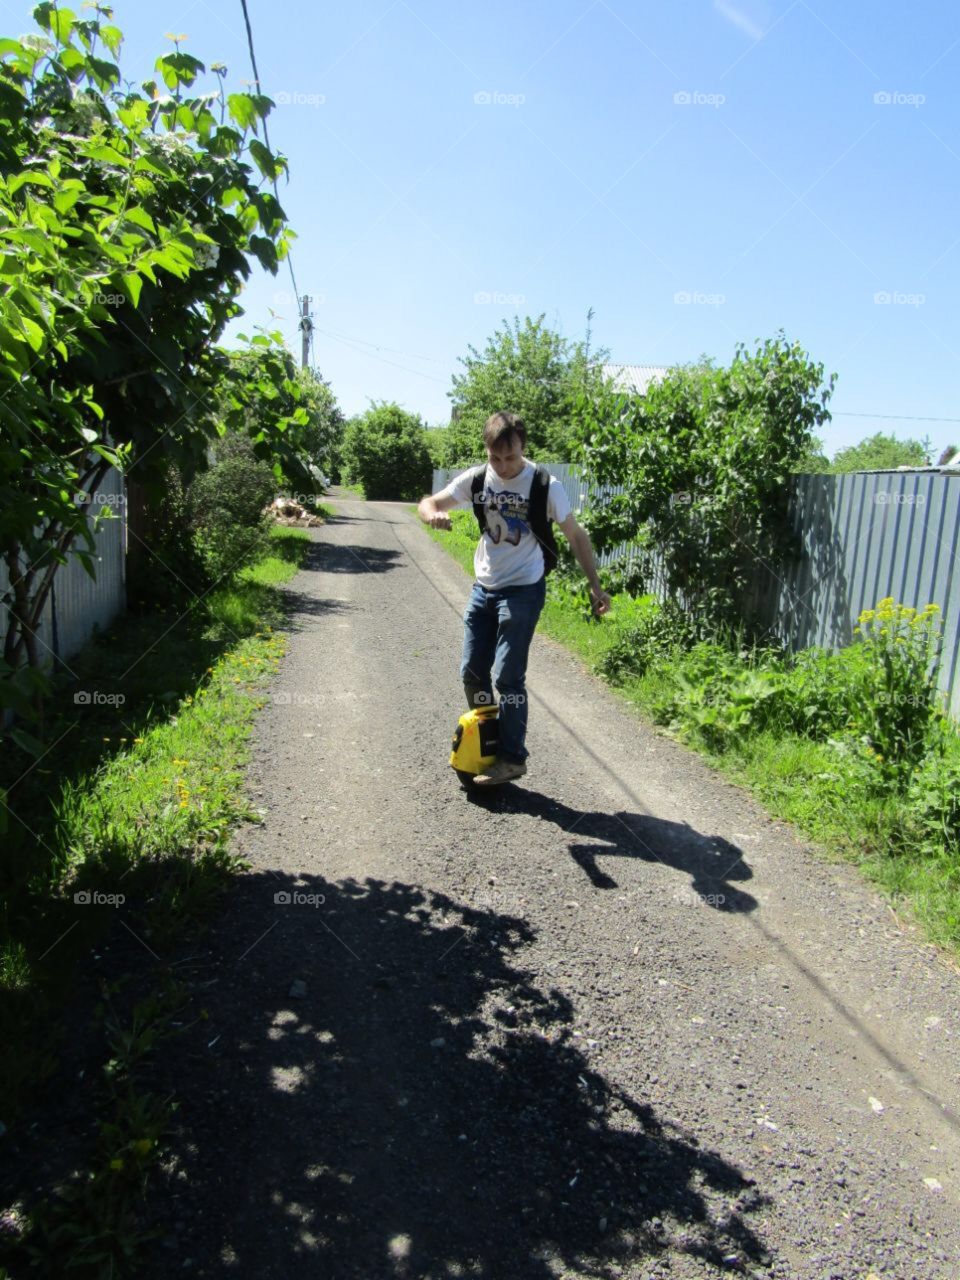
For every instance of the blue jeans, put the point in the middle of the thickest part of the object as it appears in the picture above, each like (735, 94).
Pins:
(498, 626)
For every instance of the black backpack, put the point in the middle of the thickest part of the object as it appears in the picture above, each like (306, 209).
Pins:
(541, 526)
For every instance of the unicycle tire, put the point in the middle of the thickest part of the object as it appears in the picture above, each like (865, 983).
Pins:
(466, 779)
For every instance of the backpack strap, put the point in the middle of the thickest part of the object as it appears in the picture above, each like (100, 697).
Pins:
(540, 524)
(477, 482)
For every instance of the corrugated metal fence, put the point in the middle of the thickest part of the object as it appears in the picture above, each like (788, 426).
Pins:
(77, 604)
(865, 536)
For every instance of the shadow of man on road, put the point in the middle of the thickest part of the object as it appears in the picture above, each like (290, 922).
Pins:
(711, 862)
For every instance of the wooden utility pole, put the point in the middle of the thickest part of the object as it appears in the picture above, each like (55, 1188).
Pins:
(306, 330)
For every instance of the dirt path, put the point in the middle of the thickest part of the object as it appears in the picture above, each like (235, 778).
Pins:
(609, 1021)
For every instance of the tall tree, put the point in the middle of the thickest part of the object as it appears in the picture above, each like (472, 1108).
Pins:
(129, 217)
(881, 453)
(527, 369)
(703, 461)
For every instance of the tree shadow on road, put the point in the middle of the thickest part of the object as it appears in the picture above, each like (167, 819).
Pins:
(343, 557)
(711, 862)
(381, 1089)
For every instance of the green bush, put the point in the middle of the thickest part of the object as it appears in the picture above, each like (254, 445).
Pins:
(933, 799)
(823, 692)
(652, 634)
(385, 451)
(901, 647)
(720, 695)
(228, 527)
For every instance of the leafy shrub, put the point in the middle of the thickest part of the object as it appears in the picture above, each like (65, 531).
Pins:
(901, 648)
(228, 527)
(648, 638)
(823, 692)
(701, 461)
(933, 799)
(720, 695)
(385, 451)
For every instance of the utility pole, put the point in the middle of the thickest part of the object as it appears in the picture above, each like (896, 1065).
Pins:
(306, 332)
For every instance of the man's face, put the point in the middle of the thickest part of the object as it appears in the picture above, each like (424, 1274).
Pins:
(506, 458)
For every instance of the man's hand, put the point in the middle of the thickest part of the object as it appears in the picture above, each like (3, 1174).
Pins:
(433, 514)
(600, 601)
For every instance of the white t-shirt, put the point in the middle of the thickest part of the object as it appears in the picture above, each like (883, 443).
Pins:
(508, 554)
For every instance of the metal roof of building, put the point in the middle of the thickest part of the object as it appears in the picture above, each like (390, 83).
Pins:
(634, 377)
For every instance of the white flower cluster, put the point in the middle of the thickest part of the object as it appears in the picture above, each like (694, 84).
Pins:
(208, 255)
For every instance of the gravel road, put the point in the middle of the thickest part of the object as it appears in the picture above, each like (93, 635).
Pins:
(612, 1020)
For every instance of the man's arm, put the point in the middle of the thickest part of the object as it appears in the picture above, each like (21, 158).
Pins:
(582, 548)
(433, 510)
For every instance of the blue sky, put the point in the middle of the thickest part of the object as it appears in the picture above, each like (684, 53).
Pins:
(700, 173)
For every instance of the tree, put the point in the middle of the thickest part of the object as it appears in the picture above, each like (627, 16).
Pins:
(704, 459)
(128, 219)
(881, 453)
(289, 414)
(813, 461)
(384, 450)
(527, 369)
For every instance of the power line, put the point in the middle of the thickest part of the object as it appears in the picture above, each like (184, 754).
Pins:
(892, 417)
(378, 347)
(266, 139)
(371, 356)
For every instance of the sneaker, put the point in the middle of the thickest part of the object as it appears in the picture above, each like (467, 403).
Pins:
(500, 771)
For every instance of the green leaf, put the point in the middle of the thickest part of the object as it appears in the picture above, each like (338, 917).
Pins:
(268, 164)
(178, 68)
(35, 179)
(132, 284)
(112, 37)
(243, 110)
(60, 22)
(140, 218)
(104, 73)
(135, 114)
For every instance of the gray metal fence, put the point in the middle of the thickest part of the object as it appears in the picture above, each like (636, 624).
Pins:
(78, 605)
(865, 536)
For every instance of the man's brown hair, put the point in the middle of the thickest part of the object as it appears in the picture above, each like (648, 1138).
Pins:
(500, 428)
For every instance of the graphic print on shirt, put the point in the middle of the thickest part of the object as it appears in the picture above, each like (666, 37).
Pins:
(507, 516)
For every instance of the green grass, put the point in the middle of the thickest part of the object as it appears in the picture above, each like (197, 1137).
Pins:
(143, 791)
(796, 778)
(138, 798)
